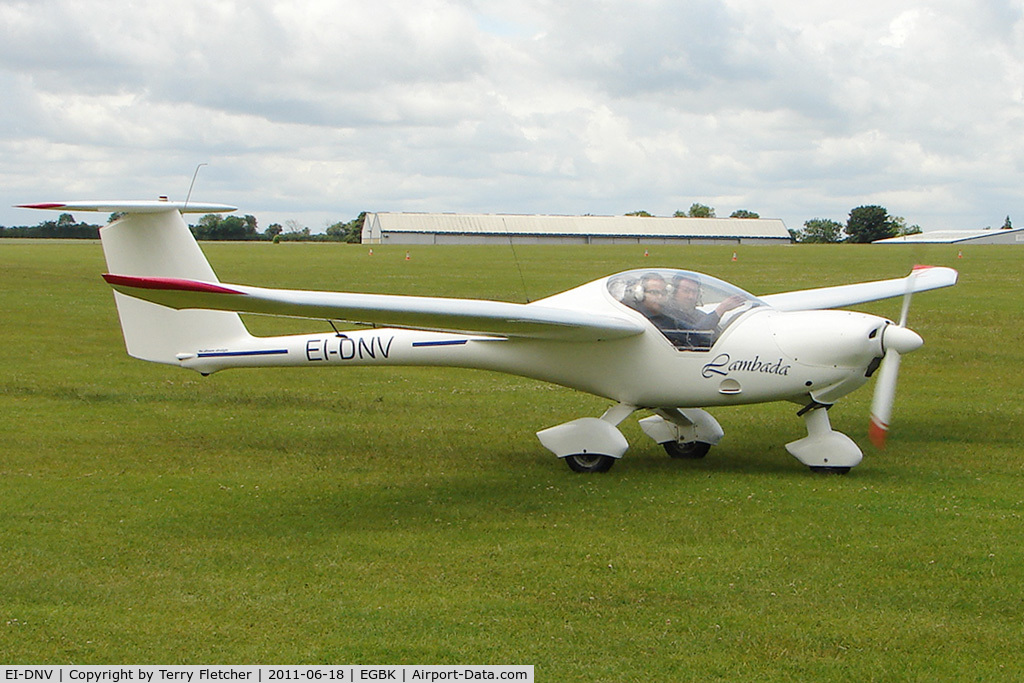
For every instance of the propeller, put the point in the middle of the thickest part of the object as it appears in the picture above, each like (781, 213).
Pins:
(896, 340)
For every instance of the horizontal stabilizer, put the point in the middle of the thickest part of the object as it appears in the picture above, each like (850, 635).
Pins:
(425, 313)
(157, 206)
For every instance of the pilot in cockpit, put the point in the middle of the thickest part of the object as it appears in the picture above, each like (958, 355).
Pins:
(686, 296)
(653, 304)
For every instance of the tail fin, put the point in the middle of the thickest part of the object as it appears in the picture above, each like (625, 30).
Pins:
(161, 245)
(152, 239)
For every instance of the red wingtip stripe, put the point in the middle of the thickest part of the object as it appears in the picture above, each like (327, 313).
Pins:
(44, 205)
(877, 432)
(167, 283)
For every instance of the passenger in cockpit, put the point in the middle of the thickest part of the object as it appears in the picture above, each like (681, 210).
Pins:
(686, 295)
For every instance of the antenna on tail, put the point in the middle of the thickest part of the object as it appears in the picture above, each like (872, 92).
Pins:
(192, 184)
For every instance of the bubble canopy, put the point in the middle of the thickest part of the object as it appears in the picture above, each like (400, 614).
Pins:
(690, 308)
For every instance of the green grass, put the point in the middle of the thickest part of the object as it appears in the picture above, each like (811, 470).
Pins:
(409, 515)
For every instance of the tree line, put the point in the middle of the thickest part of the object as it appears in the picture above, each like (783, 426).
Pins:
(865, 224)
(209, 227)
(216, 227)
(64, 227)
(698, 210)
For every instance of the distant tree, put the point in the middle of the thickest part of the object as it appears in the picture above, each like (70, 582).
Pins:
(355, 229)
(903, 229)
(251, 227)
(213, 226)
(869, 223)
(274, 230)
(821, 231)
(1007, 225)
(351, 232)
(640, 213)
(238, 228)
(743, 213)
(206, 226)
(292, 226)
(700, 211)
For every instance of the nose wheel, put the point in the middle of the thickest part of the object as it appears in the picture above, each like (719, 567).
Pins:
(830, 470)
(587, 463)
(823, 449)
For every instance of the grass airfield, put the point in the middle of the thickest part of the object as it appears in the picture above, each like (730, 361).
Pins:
(410, 516)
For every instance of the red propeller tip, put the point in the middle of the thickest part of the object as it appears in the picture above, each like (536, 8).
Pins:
(877, 432)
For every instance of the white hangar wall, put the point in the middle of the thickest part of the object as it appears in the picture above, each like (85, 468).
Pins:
(449, 228)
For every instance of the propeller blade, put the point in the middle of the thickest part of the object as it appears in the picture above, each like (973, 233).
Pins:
(896, 340)
(885, 394)
(906, 296)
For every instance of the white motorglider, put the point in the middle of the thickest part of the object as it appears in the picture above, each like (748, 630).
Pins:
(667, 341)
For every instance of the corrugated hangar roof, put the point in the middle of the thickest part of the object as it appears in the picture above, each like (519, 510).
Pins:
(510, 224)
(1013, 236)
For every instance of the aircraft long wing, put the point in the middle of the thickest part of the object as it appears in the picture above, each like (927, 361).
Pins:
(427, 313)
(921, 279)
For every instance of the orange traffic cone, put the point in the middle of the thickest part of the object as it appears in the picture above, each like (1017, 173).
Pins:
(734, 256)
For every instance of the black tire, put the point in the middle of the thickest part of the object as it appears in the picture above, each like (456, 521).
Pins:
(830, 470)
(589, 462)
(692, 450)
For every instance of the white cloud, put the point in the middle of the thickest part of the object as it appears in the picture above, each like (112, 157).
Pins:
(318, 109)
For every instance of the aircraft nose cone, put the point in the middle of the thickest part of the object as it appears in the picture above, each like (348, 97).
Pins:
(900, 339)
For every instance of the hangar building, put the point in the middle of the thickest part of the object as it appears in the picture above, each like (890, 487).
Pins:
(452, 228)
(1013, 236)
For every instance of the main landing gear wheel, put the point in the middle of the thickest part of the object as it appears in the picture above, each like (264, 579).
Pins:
(589, 462)
(690, 451)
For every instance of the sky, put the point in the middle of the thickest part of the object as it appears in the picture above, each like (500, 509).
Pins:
(311, 111)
